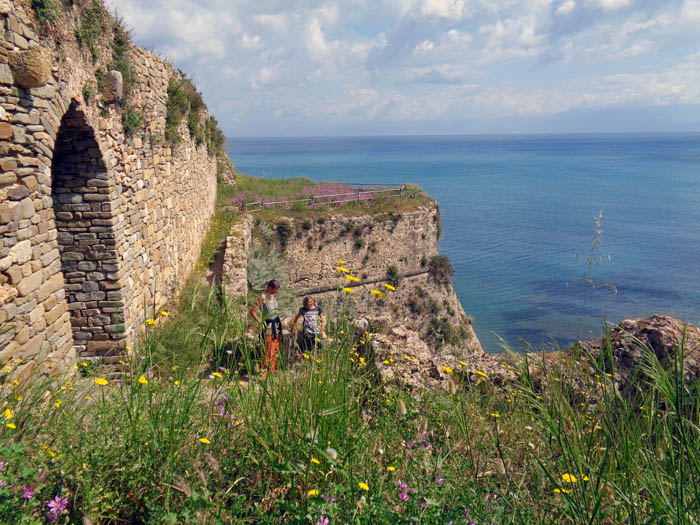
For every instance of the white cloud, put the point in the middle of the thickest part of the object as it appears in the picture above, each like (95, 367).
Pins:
(411, 60)
(443, 8)
(566, 7)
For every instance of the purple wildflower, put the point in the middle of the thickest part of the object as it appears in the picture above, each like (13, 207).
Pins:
(51, 516)
(2, 483)
(423, 504)
(403, 496)
(409, 445)
(56, 505)
(427, 446)
(466, 512)
(322, 520)
(439, 481)
(28, 492)
(326, 498)
(410, 456)
(401, 484)
(2, 465)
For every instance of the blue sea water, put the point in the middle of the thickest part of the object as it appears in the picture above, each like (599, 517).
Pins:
(517, 210)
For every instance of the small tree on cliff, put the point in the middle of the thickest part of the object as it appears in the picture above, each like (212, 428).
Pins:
(440, 269)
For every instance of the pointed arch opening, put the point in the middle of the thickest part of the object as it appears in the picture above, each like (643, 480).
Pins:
(85, 204)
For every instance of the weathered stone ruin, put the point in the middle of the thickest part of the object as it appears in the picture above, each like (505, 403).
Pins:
(98, 226)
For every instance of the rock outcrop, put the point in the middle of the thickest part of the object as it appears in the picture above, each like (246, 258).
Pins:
(402, 356)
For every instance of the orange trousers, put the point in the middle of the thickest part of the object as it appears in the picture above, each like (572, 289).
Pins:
(272, 347)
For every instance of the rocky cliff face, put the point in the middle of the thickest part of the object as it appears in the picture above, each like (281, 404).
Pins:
(351, 263)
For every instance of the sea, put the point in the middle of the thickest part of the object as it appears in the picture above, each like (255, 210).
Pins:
(552, 237)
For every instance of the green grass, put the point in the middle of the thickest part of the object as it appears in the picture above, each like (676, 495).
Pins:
(189, 432)
(324, 437)
(281, 189)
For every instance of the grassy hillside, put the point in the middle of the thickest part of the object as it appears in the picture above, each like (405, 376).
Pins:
(188, 431)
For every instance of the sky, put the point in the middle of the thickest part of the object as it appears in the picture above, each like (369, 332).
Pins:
(392, 67)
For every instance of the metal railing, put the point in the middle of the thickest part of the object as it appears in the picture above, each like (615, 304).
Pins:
(357, 193)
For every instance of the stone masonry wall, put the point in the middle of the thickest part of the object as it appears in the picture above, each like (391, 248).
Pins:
(98, 228)
(235, 267)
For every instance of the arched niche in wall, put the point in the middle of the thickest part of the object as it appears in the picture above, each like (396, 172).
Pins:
(85, 199)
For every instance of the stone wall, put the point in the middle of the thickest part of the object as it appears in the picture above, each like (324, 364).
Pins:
(235, 265)
(98, 227)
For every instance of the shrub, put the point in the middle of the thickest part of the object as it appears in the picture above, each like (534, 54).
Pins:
(441, 331)
(132, 120)
(121, 59)
(392, 275)
(284, 233)
(93, 25)
(88, 92)
(440, 269)
(306, 224)
(45, 10)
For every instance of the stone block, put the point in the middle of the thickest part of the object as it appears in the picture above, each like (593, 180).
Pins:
(27, 205)
(7, 294)
(51, 316)
(9, 177)
(15, 274)
(17, 192)
(30, 68)
(29, 284)
(21, 252)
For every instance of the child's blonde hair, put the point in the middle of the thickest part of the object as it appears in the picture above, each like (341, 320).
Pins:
(309, 302)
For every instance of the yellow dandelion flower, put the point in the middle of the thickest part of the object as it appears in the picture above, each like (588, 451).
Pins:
(101, 381)
(10, 425)
(585, 478)
(313, 492)
(8, 414)
(306, 356)
(341, 261)
(217, 374)
(495, 414)
(314, 460)
(389, 287)
(376, 292)
(143, 380)
(391, 469)
(83, 364)
(447, 369)
(164, 313)
(128, 349)
(569, 478)
(480, 373)
(205, 441)
(58, 403)
(353, 279)
(8, 368)
(150, 322)
(386, 362)
(122, 362)
(348, 290)
(342, 269)
(462, 363)
(363, 485)
(176, 383)
(557, 491)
